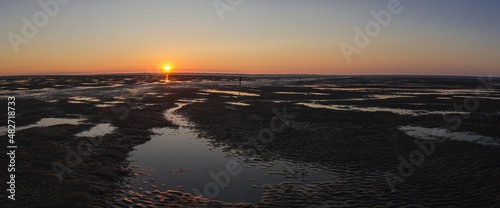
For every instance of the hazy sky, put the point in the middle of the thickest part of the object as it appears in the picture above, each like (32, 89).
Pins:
(445, 37)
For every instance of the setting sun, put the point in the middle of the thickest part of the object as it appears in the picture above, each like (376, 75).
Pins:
(167, 68)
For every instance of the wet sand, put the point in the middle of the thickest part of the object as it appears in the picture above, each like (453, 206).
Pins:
(350, 128)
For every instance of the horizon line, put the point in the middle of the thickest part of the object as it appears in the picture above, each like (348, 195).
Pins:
(244, 74)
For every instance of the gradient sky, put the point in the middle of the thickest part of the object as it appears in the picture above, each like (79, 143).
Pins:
(429, 37)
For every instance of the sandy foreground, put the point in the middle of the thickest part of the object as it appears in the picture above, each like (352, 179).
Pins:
(88, 141)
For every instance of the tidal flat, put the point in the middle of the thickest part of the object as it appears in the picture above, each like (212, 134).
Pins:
(269, 141)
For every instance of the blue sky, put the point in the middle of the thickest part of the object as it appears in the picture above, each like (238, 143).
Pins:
(274, 36)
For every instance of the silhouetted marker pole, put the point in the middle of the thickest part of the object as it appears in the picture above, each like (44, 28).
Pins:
(239, 89)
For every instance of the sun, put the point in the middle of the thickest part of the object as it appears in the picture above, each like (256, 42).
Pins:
(167, 68)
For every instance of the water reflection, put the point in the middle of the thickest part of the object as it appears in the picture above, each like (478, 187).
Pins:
(46, 122)
(301, 93)
(231, 92)
(433, 133)
(81, 98)
(98, 130)
(406, 112)
(165, 79)
(238, 103)
(177, 159)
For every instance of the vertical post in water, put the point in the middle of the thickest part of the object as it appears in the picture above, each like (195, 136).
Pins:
(239, 89)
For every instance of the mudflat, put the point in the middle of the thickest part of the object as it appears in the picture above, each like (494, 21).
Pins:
(269, 141)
